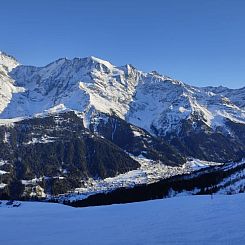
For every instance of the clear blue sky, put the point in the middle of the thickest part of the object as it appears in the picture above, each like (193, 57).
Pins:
(201, 42)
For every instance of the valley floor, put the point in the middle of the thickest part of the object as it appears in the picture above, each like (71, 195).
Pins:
(179, 220)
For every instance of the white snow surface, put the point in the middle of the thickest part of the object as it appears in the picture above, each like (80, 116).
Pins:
(7, 62)
(3, 162)
(196, 164)
(179, 220)
(3, 172)
(7, 84)
(42, 140)
(233, 184)
(91, 85)
(2, 185)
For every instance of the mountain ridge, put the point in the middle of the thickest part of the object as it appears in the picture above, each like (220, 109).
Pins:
(158, 104)
(93, 72)
(87, 111)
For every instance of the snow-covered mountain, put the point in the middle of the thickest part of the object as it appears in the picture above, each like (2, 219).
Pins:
(7, 62)
(78, 84)
(89, 108)
(7, 86)
(147, 100)
(162, 106)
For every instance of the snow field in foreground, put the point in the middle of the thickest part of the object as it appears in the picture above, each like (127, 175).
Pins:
(180, 220)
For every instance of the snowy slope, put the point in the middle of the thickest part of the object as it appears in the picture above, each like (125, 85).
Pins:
(78, 84)
(8, 62)
(162, 104)
(182, 220)
(148, 100)
(7, 86)
(237, 96)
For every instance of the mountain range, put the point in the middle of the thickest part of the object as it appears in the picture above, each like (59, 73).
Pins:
(76, 125)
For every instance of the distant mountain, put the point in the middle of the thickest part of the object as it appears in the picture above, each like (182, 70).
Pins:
(84, 118)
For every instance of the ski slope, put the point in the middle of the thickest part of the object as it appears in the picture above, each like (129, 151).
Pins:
(180, 220)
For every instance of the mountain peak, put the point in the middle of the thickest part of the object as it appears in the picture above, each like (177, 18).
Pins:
(6, 55)
(146, 99)
(8, 61)
(94, 59)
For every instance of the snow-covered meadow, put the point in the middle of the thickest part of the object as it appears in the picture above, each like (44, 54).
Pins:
(179, 220)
